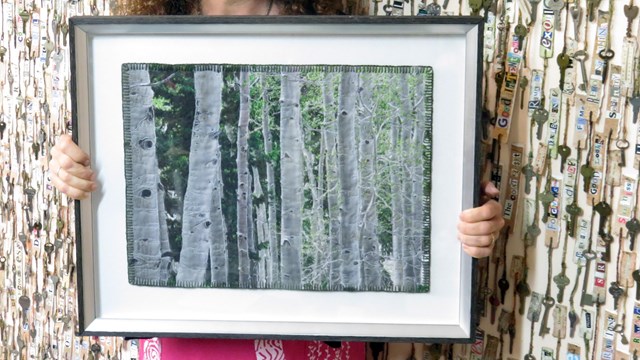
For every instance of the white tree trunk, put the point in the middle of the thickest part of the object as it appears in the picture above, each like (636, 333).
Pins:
(242, 162)
(316, 235)
(291, 181)
(145, 177)
(396, 204)
(262, 230)
(333, 196)
(418, 179)
(348, 172)
(273, 270)
(368, 209)
(407, 186)
(203, 229)
(165, 247)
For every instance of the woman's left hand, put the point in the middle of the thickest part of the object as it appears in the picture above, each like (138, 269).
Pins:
(479, 227)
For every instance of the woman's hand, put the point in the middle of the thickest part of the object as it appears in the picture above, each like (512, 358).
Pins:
(480, 227)
(69, 169)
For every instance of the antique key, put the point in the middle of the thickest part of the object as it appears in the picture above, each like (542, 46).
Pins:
(604, 210)
(548, 302)
(576, 15)
(606, 55)
(528, 172)
(631, 12)
(534, 9)
(556, 6)
(564, 61)
(561, 280)
(574, 211)
(522, 85)
(546, 198)
(586, 299)
(636, 277)
(616, 291)
(633, 226)
(524, 291)
(25, 303)
(587, 174)
(3, 52)
(3, 126)
(635, 103)
(503, 285)
(581, 56)
(49, 248)
(573, 317)
(622, 145)
(564, 151)
(540, 116)
(607, 239)
(521, 32)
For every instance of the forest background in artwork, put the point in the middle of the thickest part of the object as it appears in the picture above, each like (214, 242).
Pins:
(281, 177)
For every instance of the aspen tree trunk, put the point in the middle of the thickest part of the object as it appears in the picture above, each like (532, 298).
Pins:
(348, 173)
(407, 186)
(331, 159)
(395, 168)
(242, 162)
(291, 181)
(251, 237)
(261, 231)
(316, 214)
(203, 228)
(273, 271)
(418, 178)
(165, 247)
(368, 209)
(145, 178)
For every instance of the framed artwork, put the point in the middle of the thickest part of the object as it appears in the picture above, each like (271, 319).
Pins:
(290, 177)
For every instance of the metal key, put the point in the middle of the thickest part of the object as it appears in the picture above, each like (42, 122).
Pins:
(606, 55)
(540, 116)
(561, 280)
(546, 198)
(573, 317)
(604, 210)
(586, 299)
(633, 227)
(564, 61)
(564, 151)
(556, 6)
(630, 11)
(587, 174)
(608, 240)
(521, 32)
(524, 291)
(24, 303)
(576, 15)
(635, 103)
(522, 84)
(3, 126)
(616, 291)
(581, 56)
(636, 277)
(528, 172)
(622, 145)
(534, 10)
(548, 302)
(503, 285)
(573, 210)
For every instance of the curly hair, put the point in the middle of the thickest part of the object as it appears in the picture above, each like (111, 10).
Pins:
(289, 7)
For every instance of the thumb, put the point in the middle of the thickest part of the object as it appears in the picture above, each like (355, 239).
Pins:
(490, 190)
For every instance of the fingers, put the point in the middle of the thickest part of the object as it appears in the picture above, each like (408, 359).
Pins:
(490, 210)
(479, 240)
(489, 191)
(477, 252)
(68, 171)
(65, 145)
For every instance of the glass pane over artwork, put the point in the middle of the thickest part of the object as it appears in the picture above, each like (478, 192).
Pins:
(305, 177)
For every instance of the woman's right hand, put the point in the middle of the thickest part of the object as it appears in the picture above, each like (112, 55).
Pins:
(69, 169)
